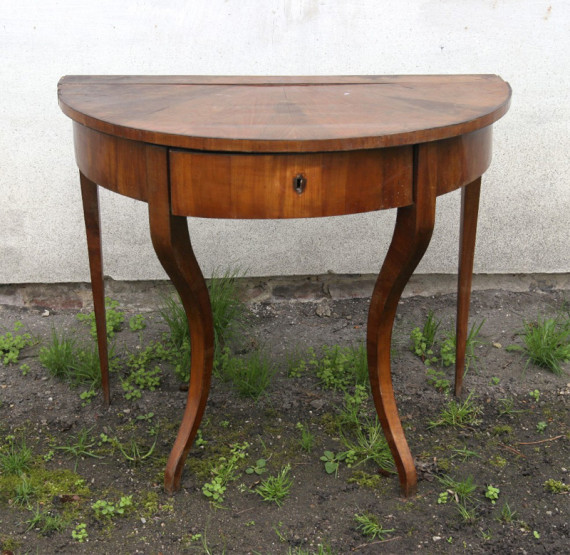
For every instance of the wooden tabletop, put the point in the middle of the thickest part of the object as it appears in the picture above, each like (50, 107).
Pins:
(284, 114)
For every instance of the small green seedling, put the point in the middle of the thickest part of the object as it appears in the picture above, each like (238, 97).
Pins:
(259, 468)
(11, 343)
(307, 438)
(541, 426)
(437, 379)
(495, 380)
(556, 486)
(137, 322)
(443, 498)
(492, 493)
(106, 510)
(507, 514)
(423, 339)
(332, 461)
(535, 394)
(80, 533)
(114, 318)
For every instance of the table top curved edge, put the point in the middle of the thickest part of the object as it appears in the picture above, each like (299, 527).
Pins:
(295, 125)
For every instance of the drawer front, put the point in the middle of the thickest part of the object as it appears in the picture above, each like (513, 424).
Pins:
(254, 186)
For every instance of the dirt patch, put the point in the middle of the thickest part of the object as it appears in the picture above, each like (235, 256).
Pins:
(516, 446)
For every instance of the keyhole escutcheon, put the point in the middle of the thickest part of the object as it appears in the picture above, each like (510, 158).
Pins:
(299, 183)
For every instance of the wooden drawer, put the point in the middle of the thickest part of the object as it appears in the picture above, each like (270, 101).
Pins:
(230, 185)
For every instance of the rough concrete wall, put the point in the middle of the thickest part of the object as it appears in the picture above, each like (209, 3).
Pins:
(526, 195)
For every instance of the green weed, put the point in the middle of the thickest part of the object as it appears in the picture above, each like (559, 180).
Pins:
(353, 408)
(437, 379)
(507, 407)
(461, 490)
(546, 343)
(492, 493)
(464, 454)
(250, 375)
(137, 322)
(332, 461)
(423, 340)
(459, 415)
(370, 527)
(224, 472)
(425, 346)
(17, 460)
(80, 446)
(556, 486)
(341, 367)
(106, 510)
(114, 318)
(259, 468)
(507, 514)
(369, 444)
(228, 313)
(462, 493)
(59, 356)
(133, 452)
(80, 533)
(307, 438)
(140, 376)
(276, 488)
(46, 522)
(25, 492)
(12, 342)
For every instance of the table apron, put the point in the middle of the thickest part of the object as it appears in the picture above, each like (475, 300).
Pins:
(245, 185)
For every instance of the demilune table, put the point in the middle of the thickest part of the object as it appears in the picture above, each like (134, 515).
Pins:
(285, 147)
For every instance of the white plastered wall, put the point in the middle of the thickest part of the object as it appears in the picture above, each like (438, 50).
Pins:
(524, 218)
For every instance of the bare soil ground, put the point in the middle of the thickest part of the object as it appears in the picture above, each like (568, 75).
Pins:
(512, 452)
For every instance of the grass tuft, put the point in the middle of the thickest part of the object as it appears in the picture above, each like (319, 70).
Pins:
(546, 343)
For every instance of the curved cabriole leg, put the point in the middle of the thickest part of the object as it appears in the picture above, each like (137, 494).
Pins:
(412, 234)
(469, 211)
(172, 245)
(90, 198)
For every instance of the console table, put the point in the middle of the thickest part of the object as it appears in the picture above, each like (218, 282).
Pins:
(285, 147)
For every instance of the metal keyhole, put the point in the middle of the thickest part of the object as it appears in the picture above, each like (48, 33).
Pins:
(299, 183)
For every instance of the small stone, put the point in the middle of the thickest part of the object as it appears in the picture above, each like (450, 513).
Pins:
(323, 310)
(317, 404)
(436, 538)
(143, 519)
(497, 345)
(45, 313)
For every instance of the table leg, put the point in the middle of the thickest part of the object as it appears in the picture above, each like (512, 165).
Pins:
(469, 211)
(412, 234)
(171, 242)
(90, 198)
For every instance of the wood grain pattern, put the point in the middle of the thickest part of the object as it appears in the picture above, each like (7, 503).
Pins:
(90, 199)
(245, 114)
(114, 163)
(412, 234)
(172, 245)
(261, 186)
(468, 230)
